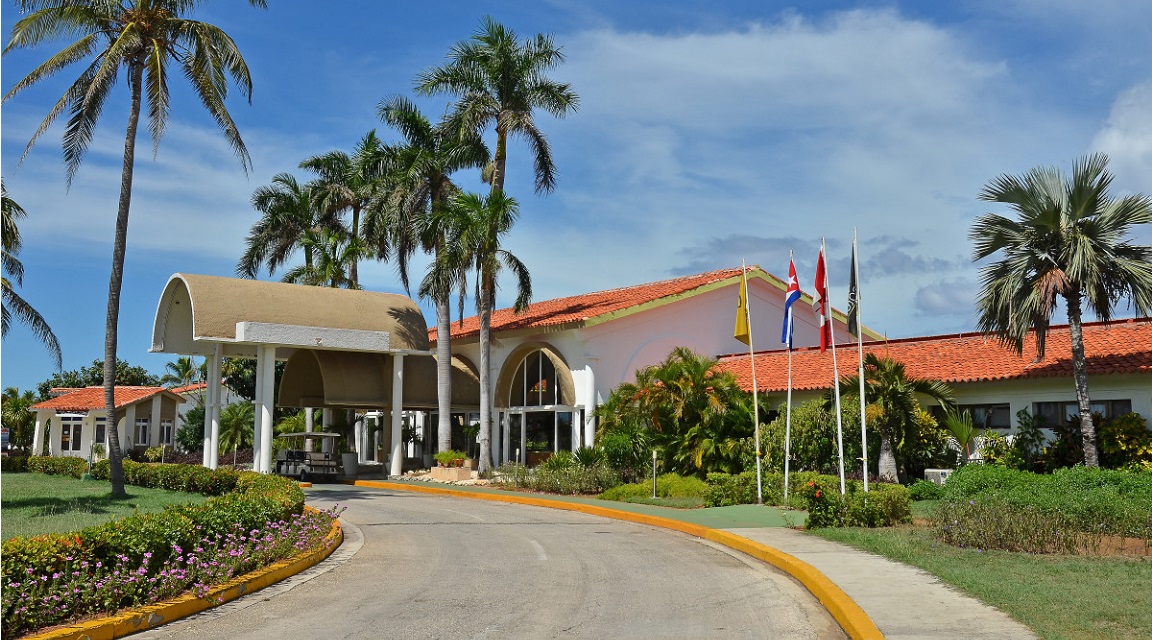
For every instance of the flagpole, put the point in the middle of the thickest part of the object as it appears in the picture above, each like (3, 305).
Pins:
(788, 410)
(860, 348)
(835, 374)
(755, 387)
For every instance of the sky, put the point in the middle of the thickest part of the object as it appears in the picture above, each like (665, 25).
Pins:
(707, 133)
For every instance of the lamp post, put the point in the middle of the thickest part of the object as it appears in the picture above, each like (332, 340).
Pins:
(653, 473)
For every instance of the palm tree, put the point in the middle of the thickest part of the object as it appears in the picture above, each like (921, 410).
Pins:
(477, 227)
(896, 396)
(334, 255)
(289, 211)
(422, 169)
(14, 303)
(350, 183)
(236, 431)
(1069, 240)
(142, 37)
(499, 81)
(17, 417)
(180, 372)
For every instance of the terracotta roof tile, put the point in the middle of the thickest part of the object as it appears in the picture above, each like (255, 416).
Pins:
(90, 398)
(195, 386)
(583, 307)
(1114, 347)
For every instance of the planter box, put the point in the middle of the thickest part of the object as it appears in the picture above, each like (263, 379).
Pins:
(451, 474)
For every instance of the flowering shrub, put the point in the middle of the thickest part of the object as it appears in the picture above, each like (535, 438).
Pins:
(884, 504)
(252, 520)
(58, 466)
(69, 586)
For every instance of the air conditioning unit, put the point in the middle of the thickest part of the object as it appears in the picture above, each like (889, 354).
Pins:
(939, 476)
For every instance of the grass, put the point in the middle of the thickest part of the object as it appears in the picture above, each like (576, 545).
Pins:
(1057, 596)
(34, 504)
(675, 503)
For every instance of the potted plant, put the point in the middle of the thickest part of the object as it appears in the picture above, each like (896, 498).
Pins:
(451, 466)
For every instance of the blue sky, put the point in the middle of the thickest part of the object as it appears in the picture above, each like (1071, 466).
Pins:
(707, 133)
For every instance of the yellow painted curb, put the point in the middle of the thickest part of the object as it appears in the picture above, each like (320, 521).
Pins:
(154, 615)
(851, 618)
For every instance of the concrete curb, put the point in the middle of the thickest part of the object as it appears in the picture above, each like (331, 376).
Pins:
(154, 615)
(851, 618)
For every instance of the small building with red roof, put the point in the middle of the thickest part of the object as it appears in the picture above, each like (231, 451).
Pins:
(78, 419)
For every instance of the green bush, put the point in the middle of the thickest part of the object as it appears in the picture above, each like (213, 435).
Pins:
(925, 490)
(883, 505)
(569, 479)
(668, 485)
(558, 461)
(58, 465)
(14, 464)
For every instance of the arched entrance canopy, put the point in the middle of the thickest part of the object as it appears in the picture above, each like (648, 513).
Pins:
(216, 317)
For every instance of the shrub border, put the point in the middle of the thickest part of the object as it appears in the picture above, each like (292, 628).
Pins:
(851, 618)
(154, 615)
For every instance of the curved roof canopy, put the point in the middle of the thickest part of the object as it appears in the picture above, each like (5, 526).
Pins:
(196, 312)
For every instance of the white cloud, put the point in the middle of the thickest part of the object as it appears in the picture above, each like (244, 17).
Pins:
(1127, 139)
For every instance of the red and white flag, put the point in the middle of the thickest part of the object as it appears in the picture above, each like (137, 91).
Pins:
(820, 302)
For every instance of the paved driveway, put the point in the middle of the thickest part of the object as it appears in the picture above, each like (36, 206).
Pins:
(417, 566)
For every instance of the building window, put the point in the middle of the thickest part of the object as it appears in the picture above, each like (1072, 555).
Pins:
(101, 436)
(71, 432)
(166, 432)
(989, 416)
(142, 428)
(1057, 413)
(534, 384)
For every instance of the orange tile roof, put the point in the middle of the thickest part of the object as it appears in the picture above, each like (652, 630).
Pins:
(1112, 348)
(90, 398)
(195, 386)
(581, 308)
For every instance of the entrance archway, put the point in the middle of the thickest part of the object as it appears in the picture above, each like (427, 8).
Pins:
(537, 400)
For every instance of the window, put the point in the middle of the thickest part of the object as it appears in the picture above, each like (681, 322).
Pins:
(71, 432)
(101, 423)
(142, 428)
(1056, 413)
(989, 416)
(534, 384)
(166, 432)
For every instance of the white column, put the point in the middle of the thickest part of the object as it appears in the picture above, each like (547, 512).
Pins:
(589, 406)
(309, 419)
(361, 440)
(126, 440)
(267, 402)
(211, 383)
(257, 414)
(397, 462)
(212, 411)
(38, 434)
(154, 423)
(326, 421)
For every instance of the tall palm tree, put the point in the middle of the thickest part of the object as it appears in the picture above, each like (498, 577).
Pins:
(13, 269)
(350, 183)
(499, 82)
(17, 417)
(180, 372)
(422, 167)
(1070, 240)
(290, 210)
(143, 37)
(896, 395)
(334, 255)
(479, 224)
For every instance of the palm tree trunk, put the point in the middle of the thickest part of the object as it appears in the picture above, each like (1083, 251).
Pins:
(443, 372)
(353, 270)
(1080, 377)
(485, 309)
(499, 160)
(115, 282)
(887, 471)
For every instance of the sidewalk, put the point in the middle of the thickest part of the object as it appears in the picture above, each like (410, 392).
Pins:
(902, 601)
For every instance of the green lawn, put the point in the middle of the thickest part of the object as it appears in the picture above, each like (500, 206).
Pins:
(1073, 597)
(33, 503)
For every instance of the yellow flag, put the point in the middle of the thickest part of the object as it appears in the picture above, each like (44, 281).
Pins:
(742, 334)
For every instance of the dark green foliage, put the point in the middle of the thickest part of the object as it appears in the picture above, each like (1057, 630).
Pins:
(93, 376)
(1125, 441)
(560, 477)
(725, 489)
(884, 505)
(58, 466)
(925, 490)
(190, 436)
(589, 456)
(813, 443)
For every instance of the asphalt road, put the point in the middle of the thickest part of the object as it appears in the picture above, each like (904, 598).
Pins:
(416, 566)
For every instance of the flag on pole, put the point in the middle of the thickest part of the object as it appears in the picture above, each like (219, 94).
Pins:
(792, 295)
(741, 333)
(853, 298)
(820, 301)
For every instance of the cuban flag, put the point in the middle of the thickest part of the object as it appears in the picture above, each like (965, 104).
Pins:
(792, 295)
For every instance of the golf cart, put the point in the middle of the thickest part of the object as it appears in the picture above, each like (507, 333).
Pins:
(295, 462)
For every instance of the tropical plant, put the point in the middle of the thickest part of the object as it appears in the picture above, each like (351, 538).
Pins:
(697, 415)
(1069, 240)
(477, 227)
(13, 269)
(898, 415)
(288, 210)
(422, 166)
(93, 376)
(180, 372)
(959, 424)
(499, 81)
(18, 419)
(350, 183)
(143, 37)
(334, 255)
(236, 426)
